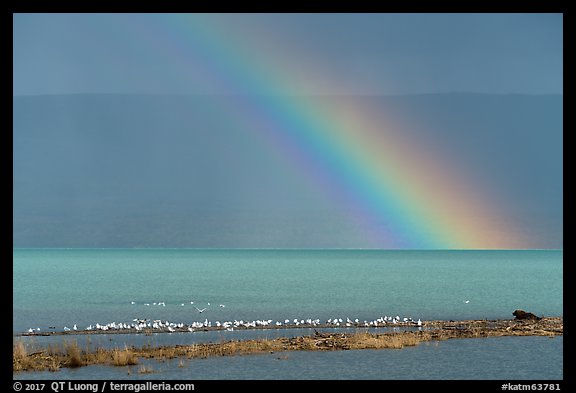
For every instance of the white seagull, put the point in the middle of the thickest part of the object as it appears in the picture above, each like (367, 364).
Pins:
(200, 310)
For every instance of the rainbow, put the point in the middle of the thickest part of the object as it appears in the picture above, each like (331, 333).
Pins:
(406, 195)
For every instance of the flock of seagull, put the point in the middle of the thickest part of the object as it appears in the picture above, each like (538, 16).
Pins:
(157, 325)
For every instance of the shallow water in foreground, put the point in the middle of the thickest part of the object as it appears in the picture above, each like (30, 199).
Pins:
(494, 358)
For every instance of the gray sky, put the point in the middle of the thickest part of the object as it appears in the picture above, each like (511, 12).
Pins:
(200, 134)
(365, 53)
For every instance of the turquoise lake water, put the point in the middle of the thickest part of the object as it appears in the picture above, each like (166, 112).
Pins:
(65, 287)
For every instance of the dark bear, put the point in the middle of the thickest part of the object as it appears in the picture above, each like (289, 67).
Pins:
(521, 314)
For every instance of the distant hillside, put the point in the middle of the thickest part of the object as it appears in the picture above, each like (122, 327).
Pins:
(154, 171)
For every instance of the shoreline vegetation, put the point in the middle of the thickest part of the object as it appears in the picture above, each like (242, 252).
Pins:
(69, 354)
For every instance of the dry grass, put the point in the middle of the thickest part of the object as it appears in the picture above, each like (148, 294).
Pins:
(124, 357)
(20, 360)
(384, 341)
(73, 354)
(240, 347)
(19, 351)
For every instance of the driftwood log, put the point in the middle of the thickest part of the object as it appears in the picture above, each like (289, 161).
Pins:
(521, 314)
